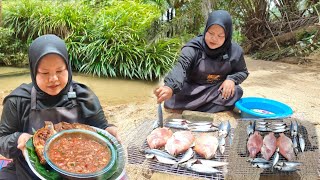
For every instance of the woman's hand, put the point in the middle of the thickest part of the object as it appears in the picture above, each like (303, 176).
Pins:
(227, 88)
(22, 140)
(113, 130)
(163, 93)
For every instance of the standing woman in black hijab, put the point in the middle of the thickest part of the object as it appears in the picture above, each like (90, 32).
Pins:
(52, 96)
(209, 70)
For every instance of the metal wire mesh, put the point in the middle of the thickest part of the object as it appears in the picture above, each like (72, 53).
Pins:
(309, 158)
(138, 143)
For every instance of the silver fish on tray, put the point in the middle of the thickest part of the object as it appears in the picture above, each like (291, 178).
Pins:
(202, 124)
(262, 165)
(224, 128)
(200, 168)
(294, 128)
(159, 153)
(176, 126)
(212, 163)
(275, 157)
(222, 144)
(180, 120)
(295, 144)
(165, 160)
(302, 142)
(285, 168)
(280, 130)
(186, 156)
(202, 129)
(257, 160)
(289, 163)
(250, 128)
(278, 127)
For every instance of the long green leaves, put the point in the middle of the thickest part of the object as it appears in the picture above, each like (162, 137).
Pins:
(110, 39)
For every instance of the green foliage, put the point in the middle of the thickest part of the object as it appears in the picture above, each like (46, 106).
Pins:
(116, 45)
(41, 169)
(109, 39)
(33, 18)
(12, 50)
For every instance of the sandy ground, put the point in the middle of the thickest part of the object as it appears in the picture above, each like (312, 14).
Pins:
(296, 85)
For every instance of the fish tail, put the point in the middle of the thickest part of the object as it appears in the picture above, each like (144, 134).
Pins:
(175, 165)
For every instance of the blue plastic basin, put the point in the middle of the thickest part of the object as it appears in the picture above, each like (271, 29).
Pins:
(255, 107)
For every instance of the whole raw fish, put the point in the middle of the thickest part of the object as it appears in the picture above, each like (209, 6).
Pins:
(188, 155)
(159, 137)
(211, 163)
(206, 145)
(302, 142)
(179, 142)
(285, 146)
(269, 146)
(254, 144)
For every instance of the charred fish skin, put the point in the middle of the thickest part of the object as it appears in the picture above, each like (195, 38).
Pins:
(302, 142)
(159, 153)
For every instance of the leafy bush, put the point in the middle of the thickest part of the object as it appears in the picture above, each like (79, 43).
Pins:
(108, 40)
(116, 44)
(12, 50)
(33, 18)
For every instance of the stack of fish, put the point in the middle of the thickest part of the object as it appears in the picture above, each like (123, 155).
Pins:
(182, 142)
(271, 146)
(224, 131)
(192, 126)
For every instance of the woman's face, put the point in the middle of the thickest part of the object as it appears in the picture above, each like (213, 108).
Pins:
(215, 37)
(52, 74)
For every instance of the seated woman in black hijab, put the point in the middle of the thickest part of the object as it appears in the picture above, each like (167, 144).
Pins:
(52, 96)
(209, 70)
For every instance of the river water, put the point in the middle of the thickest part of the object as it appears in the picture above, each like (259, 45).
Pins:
(111, 91)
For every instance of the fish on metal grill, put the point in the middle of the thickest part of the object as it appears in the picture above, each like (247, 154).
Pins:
(269, 146)
(158, 137)
(285, 147)
(254, 144)
(206, 145)
(179, 142)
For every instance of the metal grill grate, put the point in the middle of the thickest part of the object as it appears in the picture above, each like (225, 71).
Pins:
(310, 164)
(138, 143)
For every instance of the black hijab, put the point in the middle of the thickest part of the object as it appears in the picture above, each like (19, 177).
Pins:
(48, 44)
(219, 17)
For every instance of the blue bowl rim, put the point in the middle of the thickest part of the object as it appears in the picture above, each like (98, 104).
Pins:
(286, 108)
(78, 175)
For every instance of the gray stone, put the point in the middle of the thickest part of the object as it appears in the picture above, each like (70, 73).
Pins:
(197, 116)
